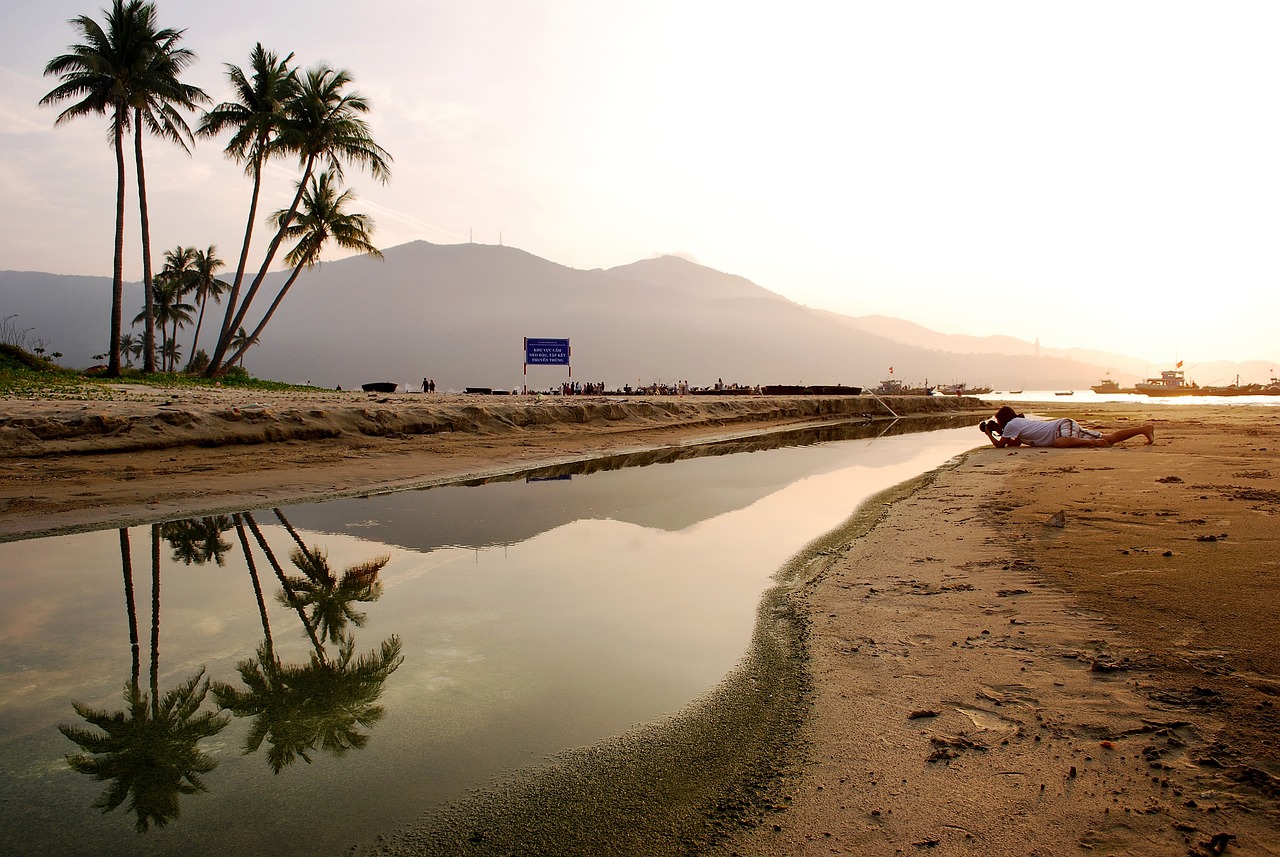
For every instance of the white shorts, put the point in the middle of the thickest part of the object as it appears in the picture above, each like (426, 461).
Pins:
(1071, 428)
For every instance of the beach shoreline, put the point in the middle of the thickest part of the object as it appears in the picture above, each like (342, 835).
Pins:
(149, 453)
(947, 671)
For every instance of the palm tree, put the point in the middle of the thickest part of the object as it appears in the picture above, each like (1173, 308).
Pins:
(96, 76)
(241, 343)
(255, 118)
(322, 218)
(330, 597)
(150, 751)
(130, 347)
(171, 352)
(127, 71)
(155, 97)
(299, 708)
(175, 279)
(195, 541)
(206, 285)
(325, 126)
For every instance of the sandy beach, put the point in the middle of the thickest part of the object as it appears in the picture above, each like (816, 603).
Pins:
(1027, 652)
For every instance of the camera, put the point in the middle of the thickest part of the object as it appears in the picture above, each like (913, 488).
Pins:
(989, 426)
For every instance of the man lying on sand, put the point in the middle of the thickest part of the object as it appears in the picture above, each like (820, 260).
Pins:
(1010, 428)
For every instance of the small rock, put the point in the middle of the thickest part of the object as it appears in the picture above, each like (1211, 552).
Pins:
(1059, 519)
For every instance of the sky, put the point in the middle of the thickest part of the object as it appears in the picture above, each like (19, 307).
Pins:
(1099, 175)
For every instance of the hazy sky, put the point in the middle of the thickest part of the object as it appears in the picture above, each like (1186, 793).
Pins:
(1095, 174)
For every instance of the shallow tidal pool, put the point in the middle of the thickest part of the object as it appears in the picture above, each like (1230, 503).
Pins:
(299, 680)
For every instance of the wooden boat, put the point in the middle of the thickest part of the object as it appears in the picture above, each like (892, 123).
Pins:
(893, 387)
(1106, 385)
(961, 390)
(797, 390)
(379, 387)
(1172, 382)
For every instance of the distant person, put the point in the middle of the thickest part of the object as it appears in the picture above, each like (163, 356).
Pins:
(1013, 429)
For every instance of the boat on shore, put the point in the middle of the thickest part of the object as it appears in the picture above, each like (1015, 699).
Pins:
(893, 387)
(379, 387)
(961, 389)
(1173, 382)
(1107, 385)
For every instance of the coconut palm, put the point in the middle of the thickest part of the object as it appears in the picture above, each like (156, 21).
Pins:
(156, 96)
(320, 705)
(325, 126)
(298, 709)
(195, 541)
(130, 347)
(129, 72)
(255, 118)
(206, 285)
(329, 597)
(321, 218)
(149, 752)
(171, 353)
(167, 308)
(96, 76)
(241, 342)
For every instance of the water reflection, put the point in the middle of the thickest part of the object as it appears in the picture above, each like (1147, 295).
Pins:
(322, 704)
(667, 498)
(149, 753)
(613, 599)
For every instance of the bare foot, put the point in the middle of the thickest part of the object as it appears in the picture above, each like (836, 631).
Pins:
(1150, 431)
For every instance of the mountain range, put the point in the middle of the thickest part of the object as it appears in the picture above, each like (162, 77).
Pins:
(458, 314)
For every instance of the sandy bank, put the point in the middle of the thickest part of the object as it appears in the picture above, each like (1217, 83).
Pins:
(985, 682)
(147, 453)
(949, 674)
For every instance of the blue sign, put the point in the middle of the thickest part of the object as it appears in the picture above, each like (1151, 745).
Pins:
(546, 352)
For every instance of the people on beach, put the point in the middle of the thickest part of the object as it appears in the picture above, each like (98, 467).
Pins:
(1014, 429)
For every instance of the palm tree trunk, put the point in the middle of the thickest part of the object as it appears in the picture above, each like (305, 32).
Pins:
(284, 582)
(257, 587)
(149, 336)
(227, 331)
(196, 338)
(126, 567)
(155, 620)
(271, 254)
(253, 337)
(117, 281)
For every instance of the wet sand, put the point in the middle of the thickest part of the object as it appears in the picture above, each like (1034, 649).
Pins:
(948, 673)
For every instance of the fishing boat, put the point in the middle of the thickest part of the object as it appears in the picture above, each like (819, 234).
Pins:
(893, 387)
(1172, 382)
(961, 389)
(379, 387)
(1106, 385)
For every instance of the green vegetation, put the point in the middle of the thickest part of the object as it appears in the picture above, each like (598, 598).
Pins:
(24, 375)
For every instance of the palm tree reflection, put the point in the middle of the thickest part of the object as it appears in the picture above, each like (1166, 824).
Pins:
(298, 709)
(149, 752)
(195, 541)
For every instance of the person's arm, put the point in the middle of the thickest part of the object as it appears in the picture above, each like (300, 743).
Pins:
(1001, 442)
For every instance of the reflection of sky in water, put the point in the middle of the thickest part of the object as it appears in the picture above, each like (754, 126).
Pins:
(610, 600)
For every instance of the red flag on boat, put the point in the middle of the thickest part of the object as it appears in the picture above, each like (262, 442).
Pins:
(1179, 364)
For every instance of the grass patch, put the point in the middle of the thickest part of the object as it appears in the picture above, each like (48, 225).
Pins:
(24, 375)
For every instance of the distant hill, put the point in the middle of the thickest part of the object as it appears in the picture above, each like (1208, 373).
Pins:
(458, 313)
